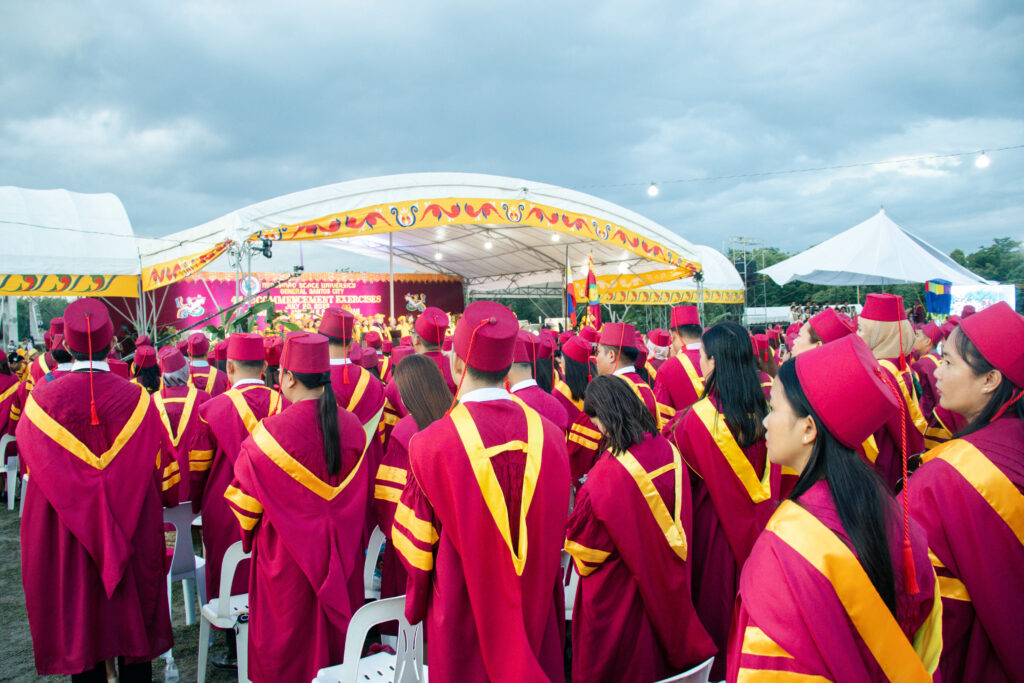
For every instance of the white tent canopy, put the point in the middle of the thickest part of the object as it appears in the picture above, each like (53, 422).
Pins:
(57, 232)
(875, 252)
(494, 232)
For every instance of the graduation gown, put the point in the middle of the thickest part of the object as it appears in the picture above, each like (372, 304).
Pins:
(92, 534)
(179, 413)
(734, 491)
(679, 383)
(887, 460)
(543, 402)
(390, 481)
(446, 369)
(629, 535)
(209, 379)
(226, 422)
(394, 410)
(967, 496)
(924, 368)
(809, 612)
(480, 528)
(304, 529)
(8, 397)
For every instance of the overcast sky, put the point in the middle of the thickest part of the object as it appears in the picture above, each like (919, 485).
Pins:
(189, 110)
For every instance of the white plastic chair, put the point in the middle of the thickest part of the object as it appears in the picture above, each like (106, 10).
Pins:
(373, 551)
(223, 612)
(185, 565)
(12, 469)
(571, 583)
(698, 674)
(404, 667)
(24, 488)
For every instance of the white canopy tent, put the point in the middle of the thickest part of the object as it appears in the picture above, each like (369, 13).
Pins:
(875, 252)
(61, 243)
(496, 233)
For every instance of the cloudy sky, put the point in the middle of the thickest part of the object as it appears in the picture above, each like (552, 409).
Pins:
(189, 110)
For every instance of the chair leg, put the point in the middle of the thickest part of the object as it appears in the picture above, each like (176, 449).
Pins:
(12, 485)
(201, 584)
(170, 597)
(204, 649)
(24, 488)
(242, 648)
(188, 590)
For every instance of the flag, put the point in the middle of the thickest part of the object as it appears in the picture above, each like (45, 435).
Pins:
(570, 295)
(593, 297)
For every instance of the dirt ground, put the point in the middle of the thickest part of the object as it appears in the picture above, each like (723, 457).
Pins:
(16, 663)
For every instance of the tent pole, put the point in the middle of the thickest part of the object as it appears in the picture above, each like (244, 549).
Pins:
(391, 275)
(858, 295)
(565, 289)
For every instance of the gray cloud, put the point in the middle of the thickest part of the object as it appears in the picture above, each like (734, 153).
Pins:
(190, 110)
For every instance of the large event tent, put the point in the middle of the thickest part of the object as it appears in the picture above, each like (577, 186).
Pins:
(501, 235)
(875, 252)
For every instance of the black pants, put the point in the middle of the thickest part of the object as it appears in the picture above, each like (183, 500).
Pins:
(128, 673)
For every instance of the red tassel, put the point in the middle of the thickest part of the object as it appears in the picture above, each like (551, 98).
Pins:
(469, 354)
(344, 372)
(94, 419)
(909, 571)
(1002, 408)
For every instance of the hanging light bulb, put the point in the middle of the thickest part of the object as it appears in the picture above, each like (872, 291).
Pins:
(555, 237)
(982, 161)
(652, 190)
(488, 244)
(623, 267)
(437, 255)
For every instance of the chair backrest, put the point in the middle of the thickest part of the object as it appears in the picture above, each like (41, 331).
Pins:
(4, 440)
(370, 563)
(409, 664)
(232, 557)
(698, 674)
(184, 559)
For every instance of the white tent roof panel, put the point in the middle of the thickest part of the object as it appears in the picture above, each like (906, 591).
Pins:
(57, 232)
(875, 252)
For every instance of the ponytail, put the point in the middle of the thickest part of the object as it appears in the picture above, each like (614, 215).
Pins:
(327, 415)
(327, 411)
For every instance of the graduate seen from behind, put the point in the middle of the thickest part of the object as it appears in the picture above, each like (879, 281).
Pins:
(967, 496)
(481, 522)
(629, 536)
(92, 546)
(838, 587)
(300, 497)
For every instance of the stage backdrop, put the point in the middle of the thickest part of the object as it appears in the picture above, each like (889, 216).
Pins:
(188, 301)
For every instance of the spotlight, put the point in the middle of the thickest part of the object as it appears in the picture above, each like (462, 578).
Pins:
(652, 190)
(982, 161)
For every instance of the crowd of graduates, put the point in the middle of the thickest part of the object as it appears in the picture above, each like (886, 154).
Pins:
(839, 500)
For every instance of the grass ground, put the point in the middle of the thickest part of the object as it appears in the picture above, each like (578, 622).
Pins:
(16, 662)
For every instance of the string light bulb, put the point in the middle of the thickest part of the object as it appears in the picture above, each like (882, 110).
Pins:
(437, 256)
(982, 161)
(652, 190)
(555, 237)
(488, 244)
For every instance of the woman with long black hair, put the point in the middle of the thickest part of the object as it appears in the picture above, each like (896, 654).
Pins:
(839, 585)
(629, 535)
(967, 496)
(300, 496)
(721, 438)
(424, 393)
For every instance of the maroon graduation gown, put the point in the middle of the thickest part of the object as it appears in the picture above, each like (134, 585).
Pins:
(480, 528)
(92, 533)
(924, 368)
(304, 528)
(734, 493)
(630, 546)
(201, 378)
(226, 422)
(545, 404)
(679, 382)
(889, 461)
(391, 478)
(360, 393)
(446, 369)
(794, 620)
(179, 413)
(394, 410)
(968, 498)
